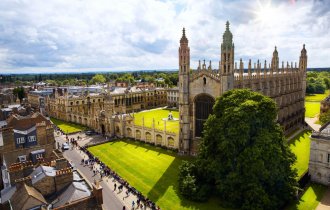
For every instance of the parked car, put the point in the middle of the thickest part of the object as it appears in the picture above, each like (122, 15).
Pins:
(65, 146)
(90, 132)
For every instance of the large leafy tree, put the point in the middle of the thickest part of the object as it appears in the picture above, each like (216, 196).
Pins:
(244, 155)
(19, 92)
(98, 78)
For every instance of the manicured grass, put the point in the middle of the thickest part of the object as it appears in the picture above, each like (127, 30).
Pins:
(312, 109)
(317, 97)
(310, 199)
(300, 145)
(151, 170)
(67, 127)
(312, 103)
(158, 115)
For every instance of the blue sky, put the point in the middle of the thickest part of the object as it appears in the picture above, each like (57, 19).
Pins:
(86, 35)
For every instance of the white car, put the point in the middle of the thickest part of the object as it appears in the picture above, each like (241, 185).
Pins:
(65, 146)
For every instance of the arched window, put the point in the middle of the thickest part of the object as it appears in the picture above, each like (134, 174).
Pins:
(170, 142)
(159, 139)
(148, 136)
(204, 79)
(138, 134)
(203, 108)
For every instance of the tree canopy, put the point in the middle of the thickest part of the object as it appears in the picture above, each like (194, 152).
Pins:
(317, 82)
(244, 158)
(19, 92)
(98, 78)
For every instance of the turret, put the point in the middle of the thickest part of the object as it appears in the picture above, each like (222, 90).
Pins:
(275, 60)
(210, 66)
(265, 69)
(184, 67)
(249, 70)
(227, 60)
(241, 69)
(303, 59)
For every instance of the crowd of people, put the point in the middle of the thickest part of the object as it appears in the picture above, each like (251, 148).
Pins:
(104, 171)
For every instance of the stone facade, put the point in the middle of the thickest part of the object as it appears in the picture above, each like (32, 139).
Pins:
(319, 161)
(125, 127)
(26, 138)
(173, 97)
(198, 89)
(97, 110)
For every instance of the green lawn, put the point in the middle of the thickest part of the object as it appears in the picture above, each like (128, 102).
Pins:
(310, 199)
(151, 170)
(312, 103)
(158, 115)
(317, 97)
(312, 108)
(300, 145)
(67, 127)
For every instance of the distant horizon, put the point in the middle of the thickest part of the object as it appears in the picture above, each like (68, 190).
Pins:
(102, 71)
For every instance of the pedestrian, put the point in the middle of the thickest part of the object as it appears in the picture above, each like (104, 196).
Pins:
(138, 203)
(133, 204)
(115, 186)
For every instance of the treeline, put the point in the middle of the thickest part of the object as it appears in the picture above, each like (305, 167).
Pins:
(160, 78)
(317, 82)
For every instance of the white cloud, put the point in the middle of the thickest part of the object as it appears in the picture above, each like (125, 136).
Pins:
(130, 34)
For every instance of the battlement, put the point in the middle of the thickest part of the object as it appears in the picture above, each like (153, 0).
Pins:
(64, 171)
(20, 166)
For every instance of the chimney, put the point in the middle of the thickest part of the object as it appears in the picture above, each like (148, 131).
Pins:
(97, 192)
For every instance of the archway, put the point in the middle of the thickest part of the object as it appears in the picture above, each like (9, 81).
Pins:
(148, 136)
(203, 108)
(129, 132)
(103, 129)
(138, 134)
(159, 139)
(170, 142)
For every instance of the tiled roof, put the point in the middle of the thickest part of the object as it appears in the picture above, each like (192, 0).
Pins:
(25, 122)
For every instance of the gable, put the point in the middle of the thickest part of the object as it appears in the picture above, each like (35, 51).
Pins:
(204, 83)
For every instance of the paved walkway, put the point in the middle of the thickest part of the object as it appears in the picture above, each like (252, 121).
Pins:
(113, 200)
(311, 122)
(325, 202)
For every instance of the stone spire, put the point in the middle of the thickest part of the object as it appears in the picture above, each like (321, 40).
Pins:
(227, 42)
(303, 59)
(184, 39)
(275, 53)
(275, 60)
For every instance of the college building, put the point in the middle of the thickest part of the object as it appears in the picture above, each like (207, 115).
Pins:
(319, 161)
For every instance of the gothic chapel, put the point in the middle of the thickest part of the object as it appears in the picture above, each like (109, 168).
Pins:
(199, 88)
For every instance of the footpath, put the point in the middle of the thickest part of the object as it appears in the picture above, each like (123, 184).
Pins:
(75, 155)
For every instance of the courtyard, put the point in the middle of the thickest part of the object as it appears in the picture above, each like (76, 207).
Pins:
(151, 170)
(159, 116)
(67, 127)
